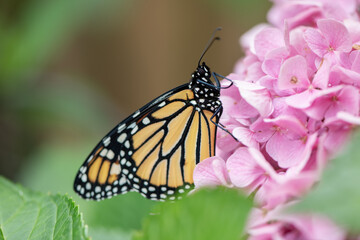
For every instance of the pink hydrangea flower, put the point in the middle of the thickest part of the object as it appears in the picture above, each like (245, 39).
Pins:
(294, 103)
(276, 224)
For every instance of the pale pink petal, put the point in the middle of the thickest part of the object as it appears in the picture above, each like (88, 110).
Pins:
(268, 39)
(294, 187)
(336, 34)
(299, 44)
(302, 100)
(273, 59)
(262, 131)
(337, 134)
(282, 108)
(211, 172)
(243, 170)
(316, 41)
(237, 108)
(317, 227)
(257, 96)
(290, 125)
(264, 164)
(245, 136)
(310, 143)
(225, 144)
(293, 73)
(321, 78)
(355, 57)
(254, 72)
(346, 100)
(342, 75)
(295, 12)
(247, 39)
(286, 152)
(335, 10)
(322, 101)
(349, 118)
(280, 225)
(353, 27)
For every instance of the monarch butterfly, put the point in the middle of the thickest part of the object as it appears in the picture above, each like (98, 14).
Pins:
(154, 151)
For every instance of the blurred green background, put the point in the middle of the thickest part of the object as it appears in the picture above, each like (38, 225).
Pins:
(71, 70)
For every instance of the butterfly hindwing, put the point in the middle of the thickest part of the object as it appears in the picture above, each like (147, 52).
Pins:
(155, 150)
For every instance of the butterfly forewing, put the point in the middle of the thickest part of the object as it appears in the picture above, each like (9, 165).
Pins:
(154, 151)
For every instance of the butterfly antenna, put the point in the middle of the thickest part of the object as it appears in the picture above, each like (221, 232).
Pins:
(210, 42)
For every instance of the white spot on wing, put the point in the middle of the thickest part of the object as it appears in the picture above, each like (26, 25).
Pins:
(84, 178)
(115, 169)
(122, 138)
(136, 114)
(103, 152)
(146, 121)
(134, 129)
(122, 181)
(106, 141)
(121, 127)
(110, 155)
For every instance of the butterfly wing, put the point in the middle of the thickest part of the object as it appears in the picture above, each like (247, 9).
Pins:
(153, 152)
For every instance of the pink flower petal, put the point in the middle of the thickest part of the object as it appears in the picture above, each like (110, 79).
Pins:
(354, 29)
(293, 73)
(349, 118)
(302, 100)
(247, 39)
(293, 187)
(316, 41)
(289, 124)
(211, 172)
(245, 136)
(286, 152)
(273, 59)
(268, 39)
(321, 78)
(322, 101)
(336, 34)
(299, 44)
(257, 96)
(243, 170)
(347, 101)
(343, 75)
(262, 130)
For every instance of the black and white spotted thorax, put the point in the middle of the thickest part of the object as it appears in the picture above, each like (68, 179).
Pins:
(206, 95)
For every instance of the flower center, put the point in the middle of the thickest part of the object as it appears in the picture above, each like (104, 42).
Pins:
(331, 49)
(304, 139)
(356, 46)
(334, 98)
(294, 80)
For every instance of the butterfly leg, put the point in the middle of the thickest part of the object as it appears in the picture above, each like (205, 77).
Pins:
(219, 125)
(216, 75)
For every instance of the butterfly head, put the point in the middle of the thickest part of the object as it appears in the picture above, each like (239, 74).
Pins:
(201, 84)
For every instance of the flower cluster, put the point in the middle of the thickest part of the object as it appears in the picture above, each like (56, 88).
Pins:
(295, 102)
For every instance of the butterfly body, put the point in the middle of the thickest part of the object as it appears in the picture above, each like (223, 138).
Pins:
(154, 151)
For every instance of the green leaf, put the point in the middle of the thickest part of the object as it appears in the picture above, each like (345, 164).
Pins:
(53, 169)
(338, 193)
(208, 214)
(29, 215)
